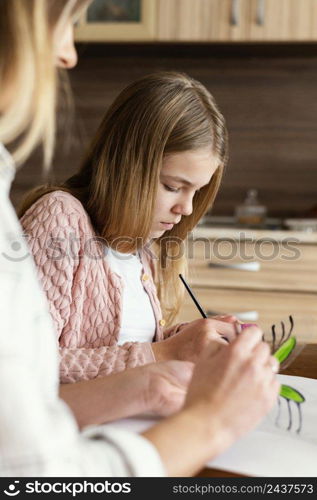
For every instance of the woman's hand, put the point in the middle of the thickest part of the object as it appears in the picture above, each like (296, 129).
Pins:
(232, 388)
(192, 339)
(166, 386)
(235, 385)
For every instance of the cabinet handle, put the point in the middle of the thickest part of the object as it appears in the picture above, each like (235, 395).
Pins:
(260, 13)
(242, 316)
(234, 18)
(242, 266)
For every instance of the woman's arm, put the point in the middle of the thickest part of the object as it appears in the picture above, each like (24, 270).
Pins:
(156, 389)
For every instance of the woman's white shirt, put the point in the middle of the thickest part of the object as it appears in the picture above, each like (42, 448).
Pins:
(137, 319)
(38, 433)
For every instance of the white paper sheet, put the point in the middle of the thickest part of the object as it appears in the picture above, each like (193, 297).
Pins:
(270, 450)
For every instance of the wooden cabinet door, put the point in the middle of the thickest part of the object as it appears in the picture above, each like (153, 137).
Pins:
(202, 20)
(282, 20)
(237, 20)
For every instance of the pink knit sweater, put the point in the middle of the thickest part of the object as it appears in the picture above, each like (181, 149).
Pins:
(84, 295)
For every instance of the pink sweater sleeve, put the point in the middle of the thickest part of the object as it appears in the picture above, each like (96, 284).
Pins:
(84, 364)
(53, 232)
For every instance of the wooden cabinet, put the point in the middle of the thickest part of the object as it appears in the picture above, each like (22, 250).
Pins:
(261, 281)
(199, 21)
(118, 20)
(202, 20)
(282, 20)
(237, 20)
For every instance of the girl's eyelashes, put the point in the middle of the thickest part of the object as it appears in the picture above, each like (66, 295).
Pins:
(175, 190)
(171, 189)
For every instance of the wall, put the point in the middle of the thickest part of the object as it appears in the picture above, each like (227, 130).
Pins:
(268, 95)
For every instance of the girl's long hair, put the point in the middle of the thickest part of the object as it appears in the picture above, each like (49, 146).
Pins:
(158, 115)
(27, 32)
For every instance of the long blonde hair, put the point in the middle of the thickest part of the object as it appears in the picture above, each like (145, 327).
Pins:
(158, 115)
(27, 30)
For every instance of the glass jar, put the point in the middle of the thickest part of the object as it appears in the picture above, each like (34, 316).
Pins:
(251, 213)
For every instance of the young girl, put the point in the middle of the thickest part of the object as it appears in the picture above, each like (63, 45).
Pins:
(152, 171)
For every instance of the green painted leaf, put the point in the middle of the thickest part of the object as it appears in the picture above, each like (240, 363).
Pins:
(285, 350)
(291, 394)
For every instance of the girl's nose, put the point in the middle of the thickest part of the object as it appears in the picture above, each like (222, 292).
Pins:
(185, 207)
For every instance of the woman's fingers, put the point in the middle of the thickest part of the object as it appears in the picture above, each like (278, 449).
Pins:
(261, 357)
(247, 340)
(262, 353)
(275, 365)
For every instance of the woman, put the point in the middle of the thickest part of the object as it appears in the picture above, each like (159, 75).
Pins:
(125, 396)
(38, 435)
(153, 169)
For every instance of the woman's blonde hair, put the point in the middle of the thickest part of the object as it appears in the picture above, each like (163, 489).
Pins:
(158, 115)
(27, 30)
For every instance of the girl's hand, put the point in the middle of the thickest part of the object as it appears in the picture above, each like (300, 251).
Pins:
(234, 385)
(227, 318)
(191, 341)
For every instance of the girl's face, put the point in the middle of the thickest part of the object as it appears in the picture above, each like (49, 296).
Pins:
(181, 176)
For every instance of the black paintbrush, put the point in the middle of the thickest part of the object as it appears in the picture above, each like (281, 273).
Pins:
(200, 309)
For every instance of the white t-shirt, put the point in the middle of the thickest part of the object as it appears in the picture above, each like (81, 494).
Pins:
(138, 320)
